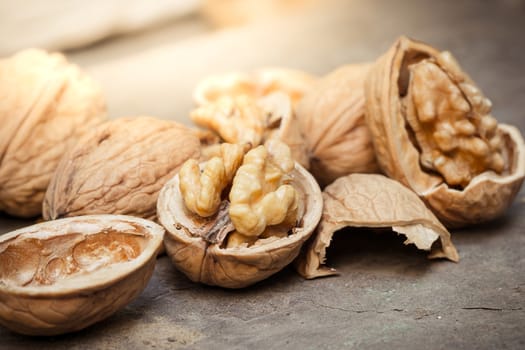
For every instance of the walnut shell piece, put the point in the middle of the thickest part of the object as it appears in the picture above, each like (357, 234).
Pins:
(46, 103)
(373, 200)
(433, 131)
(119, 168)
(331, 117)
(197, 246)
(62, 276)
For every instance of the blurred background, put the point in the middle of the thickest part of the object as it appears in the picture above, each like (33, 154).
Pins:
(149, 55)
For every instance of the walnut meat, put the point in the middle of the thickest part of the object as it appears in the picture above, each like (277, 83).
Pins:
(256, 84)
(255, 235)
(433, 131)
(119, 168)
(373, 200)
(64, 275)
(46, 104)
(331, 117)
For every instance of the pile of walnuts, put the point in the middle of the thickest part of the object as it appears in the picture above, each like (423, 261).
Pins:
(406, 142)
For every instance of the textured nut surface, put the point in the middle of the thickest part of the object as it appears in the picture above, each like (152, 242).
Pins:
(451, 122)
(332, 119)
(64, 275)
(260, 195)
(45, 105)
(199, 248)
(119, 168)
(373, 200)
(201, 192)
(437, 136)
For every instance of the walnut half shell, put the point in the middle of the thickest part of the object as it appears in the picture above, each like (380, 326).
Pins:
(64, 275)
(197, 246)
(432, 131)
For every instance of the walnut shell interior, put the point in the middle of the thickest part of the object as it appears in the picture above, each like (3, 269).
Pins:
(203, 257)
(64, 275)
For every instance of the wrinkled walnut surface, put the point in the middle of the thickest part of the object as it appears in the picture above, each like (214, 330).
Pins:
(119, 168)
(196, 245)
(373, 200)
(64, 275)
(433, 132)
(332, 119)
(45, 105)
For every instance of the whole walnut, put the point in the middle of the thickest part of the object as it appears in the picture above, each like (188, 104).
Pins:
(331, 119)
(46, 103)
(119, 168)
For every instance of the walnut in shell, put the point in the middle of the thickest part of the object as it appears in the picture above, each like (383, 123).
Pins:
(271, 209)
(373, 200)
(46, 103)
(433, 131)
(119, 168)
(251, 121)
(332, 119)
(64, 275)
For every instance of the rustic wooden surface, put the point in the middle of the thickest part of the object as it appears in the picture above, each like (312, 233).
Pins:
(387, 295)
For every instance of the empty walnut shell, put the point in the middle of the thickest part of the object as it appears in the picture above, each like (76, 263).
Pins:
(64, 275)
(332, 119)
(373, 200)
(201, 253)
(257, 84)
(46, 103)
(119, 168)
(432, 131)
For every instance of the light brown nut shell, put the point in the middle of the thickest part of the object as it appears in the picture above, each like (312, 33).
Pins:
(332, 119)
(64, 275)
(488, 194)
(119, 168)
(258, 83)
(45, 105)
(373, 200)
(239, 267)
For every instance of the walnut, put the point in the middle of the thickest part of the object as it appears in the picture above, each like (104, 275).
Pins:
(236, 119)
(119, 168)
(64, 275)
(433, 131)
(202, 192)
(46, 104)
(375, 201)
(249, 121)
(256, 84)
(332, 119)
(222, 249)
(259, 196)
(254, 107)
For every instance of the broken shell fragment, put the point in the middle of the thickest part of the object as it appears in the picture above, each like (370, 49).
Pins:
(432, 131)
(62, 276)
(203, 248)
(375, 201)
